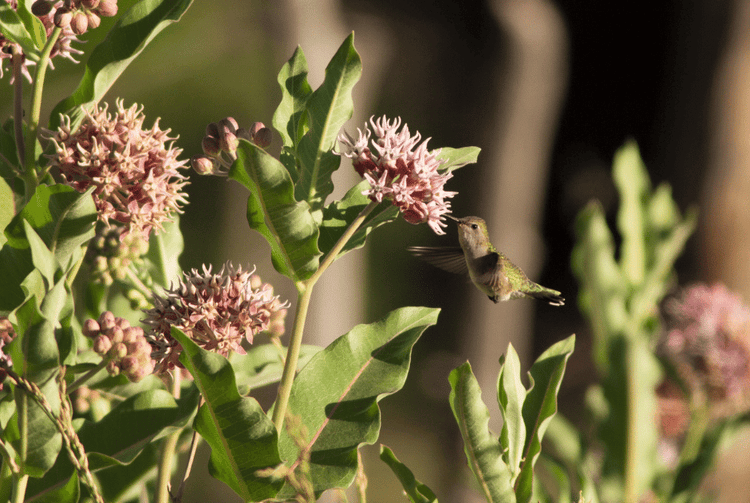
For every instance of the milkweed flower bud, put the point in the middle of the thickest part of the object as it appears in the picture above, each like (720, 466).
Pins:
(125, 348)
(216, 310)
(400, 171)
(221, 141)
(134, 171)
(7, 334)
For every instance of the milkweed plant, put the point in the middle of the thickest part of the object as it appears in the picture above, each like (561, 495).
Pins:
(96, 408)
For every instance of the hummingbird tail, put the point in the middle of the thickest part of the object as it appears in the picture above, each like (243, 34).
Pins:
(552, 296)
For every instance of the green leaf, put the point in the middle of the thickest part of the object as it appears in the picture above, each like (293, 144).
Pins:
(540, 407)
(41, 257)
(70, 492)
(482, 448)
(289, 119)
(164, 250)
(14, 29)
(510, 395)
(289, 228)
(63, 218)
(328, 108)
(338, 215)
(454, 158)
(336, 395)
(126, 482)
(603, 287)
(415, 490)
(131, 34)
(263, 365)
(634, 186)
(242, 438)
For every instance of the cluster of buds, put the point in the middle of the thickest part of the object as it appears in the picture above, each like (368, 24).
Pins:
(124, 347)
(46, 11)
(76, 15)
(400, 171)
(216, 310)
(221, 142)
(708, 341)
(111, 255)
(133, 170)
(7, 334)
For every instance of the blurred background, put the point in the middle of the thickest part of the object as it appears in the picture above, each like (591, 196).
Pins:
(548, 89)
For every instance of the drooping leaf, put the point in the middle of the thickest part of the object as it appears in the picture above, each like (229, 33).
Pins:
(133, 31)
(482, 448)
(336, 394)
(328, 108)
(290, 119)
(242, 438)
(415, 490)
(290, 229)
(540, 407)
(63, 219)
(510, 395)
(164, 250)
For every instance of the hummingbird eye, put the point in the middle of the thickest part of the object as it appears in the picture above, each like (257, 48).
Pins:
(474, 226)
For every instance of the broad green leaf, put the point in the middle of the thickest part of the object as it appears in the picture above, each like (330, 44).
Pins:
(164, 250)
(336, 395)
(338, 215)
(62, 217)
(634, 186)
(119, 437)
(242, 438)
(133, 31)
(287, 225)
(70, 492)
(43, 259)
(603, 288)
(482, 448)
(540, 407)
(125, 482)
(454, 158)
(415, 490)
(289, 119)
(14, 29)
(328, 108)
(263, 365)
(510, 395)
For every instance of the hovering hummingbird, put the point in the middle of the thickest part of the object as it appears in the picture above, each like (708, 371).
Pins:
(490, 270)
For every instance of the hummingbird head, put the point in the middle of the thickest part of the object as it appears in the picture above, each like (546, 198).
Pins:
(473, 235)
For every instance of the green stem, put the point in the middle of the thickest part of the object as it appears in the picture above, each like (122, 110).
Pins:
(30, 174)
(304, 293)
(17, 58)
(168, 449)
(22, 402)
(85, 377)
(19, 495)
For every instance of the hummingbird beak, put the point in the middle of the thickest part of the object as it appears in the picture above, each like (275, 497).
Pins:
(451, 217)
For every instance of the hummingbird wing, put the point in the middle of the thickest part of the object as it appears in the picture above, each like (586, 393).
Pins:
(447, 258)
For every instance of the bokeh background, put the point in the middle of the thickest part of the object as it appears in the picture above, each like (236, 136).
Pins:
(548, 89)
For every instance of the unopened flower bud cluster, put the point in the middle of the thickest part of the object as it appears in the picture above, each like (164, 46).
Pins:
(216, 310)
(111, 255)
(77, 15)
(134, 171)
(126, 349)
(46, 12)
(400, 171)
(220, 144)
(7, 334)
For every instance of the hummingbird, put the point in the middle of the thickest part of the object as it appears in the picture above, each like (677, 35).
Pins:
(491, 271)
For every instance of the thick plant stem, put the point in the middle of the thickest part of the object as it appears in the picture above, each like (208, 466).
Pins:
(18, 102)
(168, 449)
(21, 480)
(30, 172)
(304, 293)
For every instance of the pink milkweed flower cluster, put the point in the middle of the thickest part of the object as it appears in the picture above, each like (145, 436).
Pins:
(708, 341)
(134, 171)
(401, 170)
(216, 310)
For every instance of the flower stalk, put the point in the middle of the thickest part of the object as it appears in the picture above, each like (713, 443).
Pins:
(304, 294)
